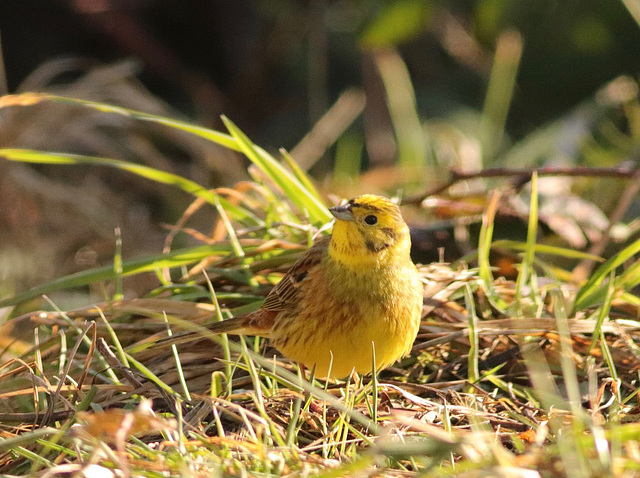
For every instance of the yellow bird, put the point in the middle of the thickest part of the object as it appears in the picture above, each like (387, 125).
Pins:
(353, 293)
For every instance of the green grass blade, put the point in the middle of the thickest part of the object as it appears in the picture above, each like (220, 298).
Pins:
(401, 101)
(630, 277)
(28, 99)
(187, 185)
(115, 340)
(502, 83)
(146, 372)
(173, 259)
(604, 313)
(546, 249)
(526, 267)
(348, 158)
(621, 284)
(224, 338)
(396, 22)
(484, 250)
(473, 373)
(374, 387)
(176, 357)
(592, 288)
(26, 438)
(304, 199)
(484, 241)
(300, 175)
(610, 361)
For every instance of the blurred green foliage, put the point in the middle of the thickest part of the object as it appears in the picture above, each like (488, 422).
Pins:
(571, 49)
(448, 84)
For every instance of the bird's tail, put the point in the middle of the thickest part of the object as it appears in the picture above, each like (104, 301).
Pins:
(240, 325)
(258, 323)
(234, 325)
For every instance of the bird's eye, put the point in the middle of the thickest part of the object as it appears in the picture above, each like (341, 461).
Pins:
(371, 219)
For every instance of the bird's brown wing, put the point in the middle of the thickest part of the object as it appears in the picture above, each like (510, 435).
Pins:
(286, 294)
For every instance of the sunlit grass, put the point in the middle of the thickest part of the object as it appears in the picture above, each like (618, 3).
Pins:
(535, 377)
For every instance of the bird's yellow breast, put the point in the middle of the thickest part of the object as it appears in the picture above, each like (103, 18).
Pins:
(350, 314)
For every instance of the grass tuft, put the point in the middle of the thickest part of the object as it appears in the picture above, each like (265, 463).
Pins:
(532, 377)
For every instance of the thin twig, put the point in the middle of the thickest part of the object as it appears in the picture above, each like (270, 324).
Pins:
(524, 175)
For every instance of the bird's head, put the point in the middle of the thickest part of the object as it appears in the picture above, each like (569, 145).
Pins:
(368, 228)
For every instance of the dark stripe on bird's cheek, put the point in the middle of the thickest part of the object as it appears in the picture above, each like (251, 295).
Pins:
(373, 247)
(393, 235)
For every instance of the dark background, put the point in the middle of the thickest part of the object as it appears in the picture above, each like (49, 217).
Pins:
(274, 68)
(251, 60)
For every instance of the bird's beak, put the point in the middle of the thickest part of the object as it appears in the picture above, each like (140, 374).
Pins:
(342, 212)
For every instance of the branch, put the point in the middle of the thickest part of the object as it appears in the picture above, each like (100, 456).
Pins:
(523, 176)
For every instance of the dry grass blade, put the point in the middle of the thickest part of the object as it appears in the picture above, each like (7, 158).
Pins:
(496, 373)
(414, 410)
